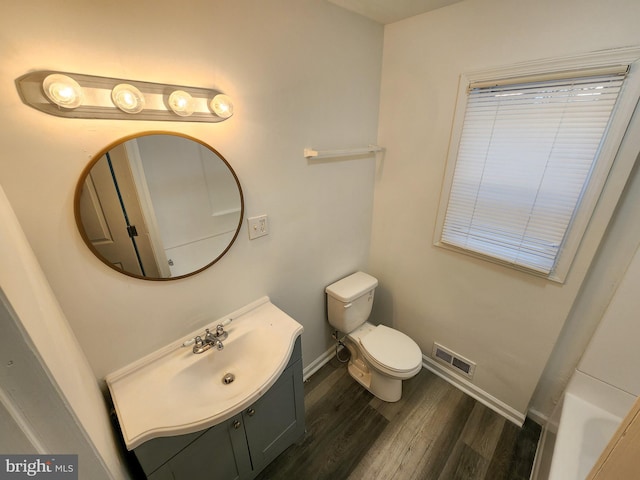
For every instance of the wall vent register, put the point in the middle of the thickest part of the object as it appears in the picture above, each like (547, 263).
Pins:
(453, 360)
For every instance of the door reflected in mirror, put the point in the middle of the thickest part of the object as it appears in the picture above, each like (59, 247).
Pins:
(159, 206)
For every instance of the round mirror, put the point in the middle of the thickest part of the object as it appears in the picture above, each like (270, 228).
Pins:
(159, 206)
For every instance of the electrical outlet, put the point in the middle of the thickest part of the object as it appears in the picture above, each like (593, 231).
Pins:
(258, 226)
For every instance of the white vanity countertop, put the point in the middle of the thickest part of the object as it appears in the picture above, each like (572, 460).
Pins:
(173, 391)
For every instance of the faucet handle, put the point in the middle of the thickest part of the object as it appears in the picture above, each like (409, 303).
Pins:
(220, 333)
(198, 340)
(208, 336)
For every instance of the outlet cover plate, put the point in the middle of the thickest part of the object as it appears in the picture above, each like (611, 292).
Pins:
(258, 226)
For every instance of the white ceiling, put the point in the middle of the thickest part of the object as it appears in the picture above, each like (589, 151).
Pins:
(389, 11)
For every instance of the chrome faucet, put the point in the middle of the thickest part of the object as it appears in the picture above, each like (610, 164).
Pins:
(214, 338)
(210, 340)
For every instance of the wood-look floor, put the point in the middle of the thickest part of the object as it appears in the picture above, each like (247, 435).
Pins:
(434, 432)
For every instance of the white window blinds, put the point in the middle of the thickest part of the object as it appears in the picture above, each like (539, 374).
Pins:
(525, 155)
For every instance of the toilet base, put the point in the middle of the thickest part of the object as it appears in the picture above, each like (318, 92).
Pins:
(382, 386)
(385, 388)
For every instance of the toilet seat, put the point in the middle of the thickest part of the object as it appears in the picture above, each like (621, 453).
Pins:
(391, 350)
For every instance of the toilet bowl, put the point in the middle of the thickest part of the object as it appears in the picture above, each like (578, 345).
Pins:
(381, 357)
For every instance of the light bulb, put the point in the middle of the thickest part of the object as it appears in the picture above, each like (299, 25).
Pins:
(127, 98)
(62, 90)
(222, 106)
(181, 103)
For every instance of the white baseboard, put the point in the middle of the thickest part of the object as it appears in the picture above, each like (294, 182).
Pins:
(473, 391)
(318, 363)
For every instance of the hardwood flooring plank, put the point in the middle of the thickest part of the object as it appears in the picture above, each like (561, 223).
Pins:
(385, 457)
(503, 455)
(524, 451)
(340, 429)
(471, 443)
(482, 431)
(413, 442)
(344, 452)
(435, 432)
(446, 440)
(323, 383)
(468, 465)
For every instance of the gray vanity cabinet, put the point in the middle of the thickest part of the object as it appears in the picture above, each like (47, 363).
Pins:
(240, 447)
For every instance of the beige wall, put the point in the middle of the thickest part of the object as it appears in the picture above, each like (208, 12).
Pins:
(605, 274)
(506, 321)
(613, 352)
(302, 73)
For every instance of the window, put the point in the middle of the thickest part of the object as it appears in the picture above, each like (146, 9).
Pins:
(527, 163)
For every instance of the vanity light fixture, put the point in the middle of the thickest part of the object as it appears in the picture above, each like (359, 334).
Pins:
(76, 95)
(127, 98)
(181, 103)
(62, 90)
(222, 106)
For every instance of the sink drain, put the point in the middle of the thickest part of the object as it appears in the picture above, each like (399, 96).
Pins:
(228, 378)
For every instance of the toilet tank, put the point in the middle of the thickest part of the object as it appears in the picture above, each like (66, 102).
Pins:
(349, 301)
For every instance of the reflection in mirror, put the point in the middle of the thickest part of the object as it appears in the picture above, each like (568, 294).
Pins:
(159, 206)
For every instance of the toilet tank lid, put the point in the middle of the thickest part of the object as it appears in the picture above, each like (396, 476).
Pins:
(351, 287)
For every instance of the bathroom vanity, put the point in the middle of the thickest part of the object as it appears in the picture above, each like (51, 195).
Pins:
(221, 414)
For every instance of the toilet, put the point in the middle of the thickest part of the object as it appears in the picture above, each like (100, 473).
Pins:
(381, 357)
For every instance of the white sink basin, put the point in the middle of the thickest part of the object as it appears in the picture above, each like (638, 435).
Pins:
(174, 391)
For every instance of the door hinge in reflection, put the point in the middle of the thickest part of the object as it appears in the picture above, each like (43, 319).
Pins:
(132, 231)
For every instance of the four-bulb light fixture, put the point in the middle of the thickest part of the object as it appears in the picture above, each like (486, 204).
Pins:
(86, 96)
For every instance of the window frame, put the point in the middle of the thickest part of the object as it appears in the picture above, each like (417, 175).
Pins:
(621, 116)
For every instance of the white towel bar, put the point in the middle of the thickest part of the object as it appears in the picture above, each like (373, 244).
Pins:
(311, 153)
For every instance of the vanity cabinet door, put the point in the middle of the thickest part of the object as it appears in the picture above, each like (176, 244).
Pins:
(276, 420)
(219, 454)
(156, 452)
